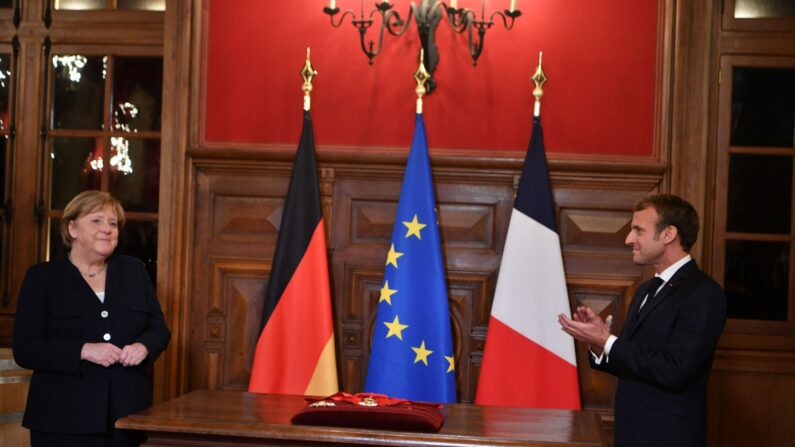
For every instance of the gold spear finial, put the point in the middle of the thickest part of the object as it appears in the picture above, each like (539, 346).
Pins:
(421, 75)
(308, 73)
(539, 77)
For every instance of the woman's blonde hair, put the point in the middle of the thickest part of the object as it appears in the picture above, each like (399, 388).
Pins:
(86, 203)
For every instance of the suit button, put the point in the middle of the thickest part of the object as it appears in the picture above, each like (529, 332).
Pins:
(106, 337)
(104, 314)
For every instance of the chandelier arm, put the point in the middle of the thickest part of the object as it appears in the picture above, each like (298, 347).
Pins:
(394, 24)
(332, 12)
(387, 17)
(364, 26)
(467, 16)
(505, 16)
(476, 47)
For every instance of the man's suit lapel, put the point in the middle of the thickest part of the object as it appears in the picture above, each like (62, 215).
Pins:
(653, 302)
(632, 312)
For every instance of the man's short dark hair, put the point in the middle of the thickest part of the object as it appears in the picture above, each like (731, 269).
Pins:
(676, 211)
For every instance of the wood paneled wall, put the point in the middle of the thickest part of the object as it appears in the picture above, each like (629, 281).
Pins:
(237, 213)
(220, 212)
(237, 202)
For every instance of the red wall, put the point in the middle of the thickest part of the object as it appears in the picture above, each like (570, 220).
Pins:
(599, 57)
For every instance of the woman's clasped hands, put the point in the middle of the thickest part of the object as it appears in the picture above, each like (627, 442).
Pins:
(107, 354)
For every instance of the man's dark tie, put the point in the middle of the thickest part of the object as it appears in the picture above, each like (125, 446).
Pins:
(654, 284)
(651, 290)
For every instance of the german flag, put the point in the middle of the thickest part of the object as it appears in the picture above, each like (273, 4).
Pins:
(295, 351)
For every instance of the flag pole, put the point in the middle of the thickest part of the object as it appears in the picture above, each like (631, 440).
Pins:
(421, 75)
(308, 73)
(539, 78)
(527, 361)
(289, 359)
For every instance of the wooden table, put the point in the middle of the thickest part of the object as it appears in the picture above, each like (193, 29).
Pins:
(236, 418)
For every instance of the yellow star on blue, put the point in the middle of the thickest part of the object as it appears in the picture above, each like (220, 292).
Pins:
(395, 328)
(422, 353)
(450, 363)
(392, 256)
(386, 293)
(414, 227)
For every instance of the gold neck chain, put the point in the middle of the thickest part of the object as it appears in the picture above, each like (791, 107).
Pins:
(88, 274)
(93, 274)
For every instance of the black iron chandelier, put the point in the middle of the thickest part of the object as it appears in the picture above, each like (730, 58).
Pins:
(427, 15)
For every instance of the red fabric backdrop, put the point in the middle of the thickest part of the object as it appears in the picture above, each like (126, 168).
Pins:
(599, 57)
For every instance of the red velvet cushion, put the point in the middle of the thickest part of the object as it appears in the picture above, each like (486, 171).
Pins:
(345, 410)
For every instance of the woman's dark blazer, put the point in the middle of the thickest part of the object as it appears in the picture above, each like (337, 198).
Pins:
(57, 313)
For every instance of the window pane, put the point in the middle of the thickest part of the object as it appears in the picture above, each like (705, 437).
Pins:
(4, 143)
(137, 91)
(135, 173)
(763, 107)
(75, 165)
(149, 5)
(760, 189)
(757, 279)
(139, 239)
(756, 9)
(56, 248)
(5, 81)
(80, 4)
(78, 92)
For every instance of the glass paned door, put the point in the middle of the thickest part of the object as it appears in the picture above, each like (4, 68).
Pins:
(7, 83)
(104, 133)
(754, 207)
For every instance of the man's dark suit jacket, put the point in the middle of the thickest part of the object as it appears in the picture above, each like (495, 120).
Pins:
(662, 360)
(57, 313)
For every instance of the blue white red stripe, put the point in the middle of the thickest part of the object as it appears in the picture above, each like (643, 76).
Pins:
(528, 361)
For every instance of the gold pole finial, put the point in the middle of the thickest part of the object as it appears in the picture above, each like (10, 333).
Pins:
(539, 77)
(421, 75)
(308, 73)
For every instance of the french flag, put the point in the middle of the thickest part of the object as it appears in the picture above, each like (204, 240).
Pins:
(528, 361)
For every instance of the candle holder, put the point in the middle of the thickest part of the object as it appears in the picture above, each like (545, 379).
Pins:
(427, 16)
